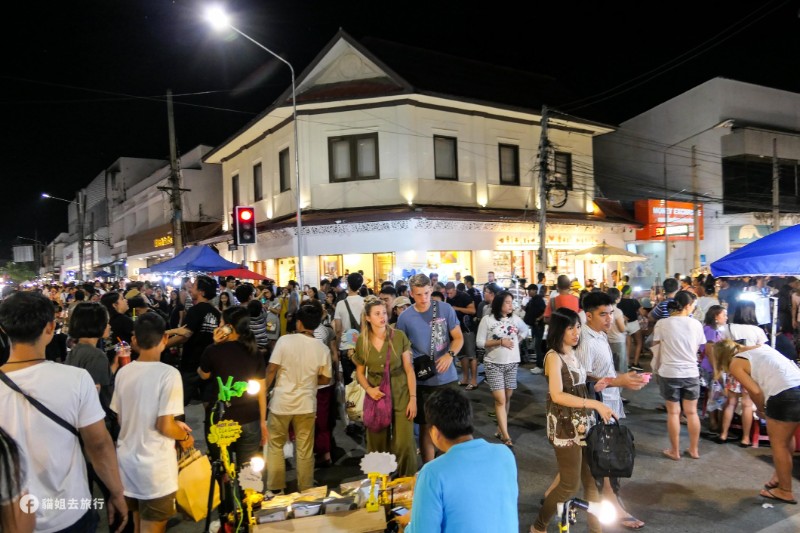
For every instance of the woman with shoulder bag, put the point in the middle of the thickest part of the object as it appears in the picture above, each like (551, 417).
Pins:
(377, 346)
(569, 417)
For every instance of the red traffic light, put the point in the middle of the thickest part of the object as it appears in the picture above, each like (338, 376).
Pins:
(244, 225)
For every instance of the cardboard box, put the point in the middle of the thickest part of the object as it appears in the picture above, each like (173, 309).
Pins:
(358, 521)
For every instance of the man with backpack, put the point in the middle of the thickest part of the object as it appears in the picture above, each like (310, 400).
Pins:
(346, 317)
(564, 298)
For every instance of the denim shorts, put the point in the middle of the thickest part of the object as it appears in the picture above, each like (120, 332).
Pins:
(784, 406)
(677, 389)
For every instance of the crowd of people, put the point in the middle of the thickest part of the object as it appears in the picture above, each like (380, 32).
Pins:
(66, 360)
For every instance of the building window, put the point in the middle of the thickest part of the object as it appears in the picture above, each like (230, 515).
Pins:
(235, 188)
(563, 169)
(509, 164)
(284, 169)
(354, 157)
(743, 184)
(445, 158)
(258, 187)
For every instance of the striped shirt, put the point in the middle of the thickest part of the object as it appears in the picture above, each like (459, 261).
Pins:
(595, 356)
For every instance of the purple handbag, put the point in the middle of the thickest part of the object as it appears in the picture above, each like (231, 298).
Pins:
(378, 413)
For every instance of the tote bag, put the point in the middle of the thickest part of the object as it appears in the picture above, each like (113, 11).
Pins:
(610, 450)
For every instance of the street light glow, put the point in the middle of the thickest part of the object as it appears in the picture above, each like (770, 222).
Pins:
(45, 195)
(217, 17)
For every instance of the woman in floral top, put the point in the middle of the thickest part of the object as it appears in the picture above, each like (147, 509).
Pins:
(500, 334)
(370, 359)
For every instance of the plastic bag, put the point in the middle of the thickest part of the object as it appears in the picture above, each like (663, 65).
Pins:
(340, 396)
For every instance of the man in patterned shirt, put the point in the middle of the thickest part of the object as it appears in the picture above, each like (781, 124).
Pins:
(594, 354)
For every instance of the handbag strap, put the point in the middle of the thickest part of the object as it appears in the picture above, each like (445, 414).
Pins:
(433, 321)
(353, 321)
(38, 405)
(386, 370)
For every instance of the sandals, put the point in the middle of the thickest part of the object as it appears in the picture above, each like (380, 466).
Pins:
(462, 384)
(472, 387)
(631, 522)
(508, 442)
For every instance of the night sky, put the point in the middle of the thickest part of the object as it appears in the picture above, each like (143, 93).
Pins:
(83, 82)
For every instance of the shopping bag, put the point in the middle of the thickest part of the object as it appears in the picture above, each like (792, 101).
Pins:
(194, 480)
(355, 400)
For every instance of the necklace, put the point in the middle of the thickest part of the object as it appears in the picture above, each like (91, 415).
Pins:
(25, 361)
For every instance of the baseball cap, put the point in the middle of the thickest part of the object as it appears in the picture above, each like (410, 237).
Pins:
(400, 301)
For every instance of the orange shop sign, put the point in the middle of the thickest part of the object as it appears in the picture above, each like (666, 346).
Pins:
(677, 220)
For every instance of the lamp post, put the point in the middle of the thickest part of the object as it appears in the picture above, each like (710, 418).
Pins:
(81, 216)
(724, 124)
(220, 20)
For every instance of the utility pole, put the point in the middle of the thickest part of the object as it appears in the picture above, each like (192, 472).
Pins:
(543, 143)
(91, 240)
(696, 210)
(81, 229)
(174, 187)
(776, 182)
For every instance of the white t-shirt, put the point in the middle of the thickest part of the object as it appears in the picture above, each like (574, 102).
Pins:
(144, 391)
(56, 468)
(752, 335)
(703, 303)
(773, 372)
(301, 359)
(511, 327)
(614, 334)
(356, 306)
(325, 335)
(680, 337)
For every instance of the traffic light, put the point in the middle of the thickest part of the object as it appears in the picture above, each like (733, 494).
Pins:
(244, 225)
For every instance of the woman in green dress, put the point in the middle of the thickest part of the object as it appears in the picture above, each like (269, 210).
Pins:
(370, 359)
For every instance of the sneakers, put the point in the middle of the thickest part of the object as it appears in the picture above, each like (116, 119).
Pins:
(635, 367)
(536, 371)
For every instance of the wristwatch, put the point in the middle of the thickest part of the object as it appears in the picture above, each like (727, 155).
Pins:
(452, 353)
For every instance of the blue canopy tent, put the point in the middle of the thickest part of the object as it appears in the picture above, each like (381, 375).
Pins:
(194, 259)
(777, 254)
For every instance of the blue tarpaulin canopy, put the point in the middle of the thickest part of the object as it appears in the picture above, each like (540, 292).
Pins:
(194, 259)
(777, 254)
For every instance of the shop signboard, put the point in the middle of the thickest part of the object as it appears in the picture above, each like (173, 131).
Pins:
(747, 233)
(677, 220)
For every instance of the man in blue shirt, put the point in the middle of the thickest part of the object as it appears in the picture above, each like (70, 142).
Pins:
(439, 504)
(424, 332)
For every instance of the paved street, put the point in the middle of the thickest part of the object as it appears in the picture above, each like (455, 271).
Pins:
(718, 492)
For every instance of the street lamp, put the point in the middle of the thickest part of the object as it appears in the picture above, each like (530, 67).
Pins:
(81, 215)
(724, 124)
(219, 20)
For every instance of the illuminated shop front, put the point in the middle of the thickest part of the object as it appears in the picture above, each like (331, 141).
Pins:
(450, 248)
